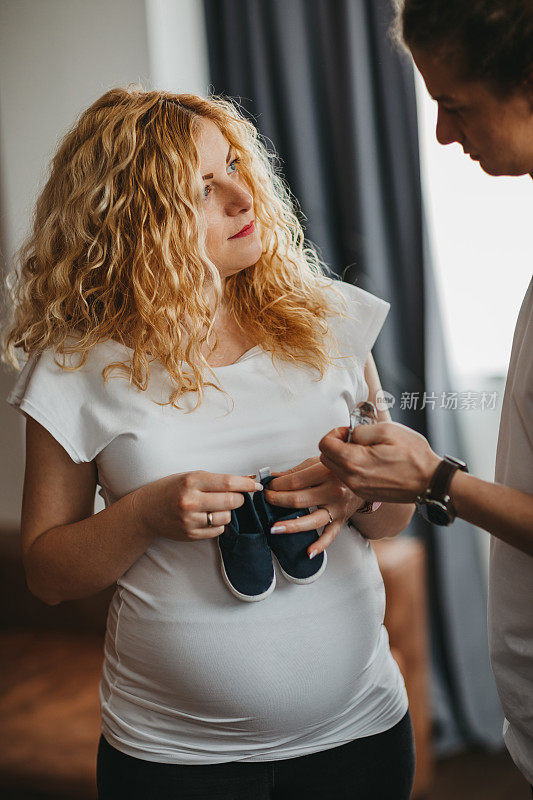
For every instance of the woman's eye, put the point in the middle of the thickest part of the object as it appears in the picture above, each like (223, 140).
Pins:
(234, 163)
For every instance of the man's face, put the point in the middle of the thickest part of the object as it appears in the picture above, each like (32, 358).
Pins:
(494, 131)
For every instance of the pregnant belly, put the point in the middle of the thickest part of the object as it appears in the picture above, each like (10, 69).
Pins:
(183, 653)
(277, 676)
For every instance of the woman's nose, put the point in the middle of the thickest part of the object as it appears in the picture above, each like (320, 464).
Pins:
(447, 130)
(239, 197)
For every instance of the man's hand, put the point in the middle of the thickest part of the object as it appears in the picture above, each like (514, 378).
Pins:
(387, 461)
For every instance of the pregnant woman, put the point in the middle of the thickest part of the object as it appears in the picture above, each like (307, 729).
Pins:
(179, 338)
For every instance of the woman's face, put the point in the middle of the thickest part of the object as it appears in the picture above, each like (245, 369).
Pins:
(227, 204)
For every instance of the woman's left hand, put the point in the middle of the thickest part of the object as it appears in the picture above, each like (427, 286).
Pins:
(312, 484)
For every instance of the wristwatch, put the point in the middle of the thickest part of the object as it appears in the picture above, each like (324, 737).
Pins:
(435, 504)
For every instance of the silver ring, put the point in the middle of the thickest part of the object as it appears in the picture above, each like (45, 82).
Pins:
(329, 512)
(209, 519)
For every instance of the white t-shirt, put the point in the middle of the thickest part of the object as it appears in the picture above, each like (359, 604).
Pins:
(510, 607)
(191, 674)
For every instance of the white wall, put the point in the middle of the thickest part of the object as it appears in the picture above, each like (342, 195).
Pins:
(56, 58)
(177, 45)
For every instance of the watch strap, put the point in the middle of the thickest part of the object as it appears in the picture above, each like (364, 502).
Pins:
(440, 483)
(438, 488)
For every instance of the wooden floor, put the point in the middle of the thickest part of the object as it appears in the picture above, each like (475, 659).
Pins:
(469, 776)
(478, 776)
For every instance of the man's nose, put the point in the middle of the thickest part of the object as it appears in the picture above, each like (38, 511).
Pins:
(447, 130)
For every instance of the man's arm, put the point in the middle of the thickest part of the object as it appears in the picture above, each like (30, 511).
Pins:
(506, 513)
(393, 463)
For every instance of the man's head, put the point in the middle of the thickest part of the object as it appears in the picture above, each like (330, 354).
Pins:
(476, 59)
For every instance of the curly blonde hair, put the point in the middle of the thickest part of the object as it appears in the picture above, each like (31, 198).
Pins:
(118, 247)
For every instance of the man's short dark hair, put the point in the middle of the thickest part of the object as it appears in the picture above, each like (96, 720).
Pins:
(493, 39)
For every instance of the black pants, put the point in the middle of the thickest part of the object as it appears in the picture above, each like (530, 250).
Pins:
(379, 767)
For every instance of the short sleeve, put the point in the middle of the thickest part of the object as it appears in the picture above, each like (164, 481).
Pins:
(365, 314)
(67, 403)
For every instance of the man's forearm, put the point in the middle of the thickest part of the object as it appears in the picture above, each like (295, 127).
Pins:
(506, 513)
(389, 520)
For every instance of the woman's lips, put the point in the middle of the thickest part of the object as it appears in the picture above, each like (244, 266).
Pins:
(245, 231)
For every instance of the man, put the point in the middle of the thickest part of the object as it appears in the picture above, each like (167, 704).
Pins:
(476, 59)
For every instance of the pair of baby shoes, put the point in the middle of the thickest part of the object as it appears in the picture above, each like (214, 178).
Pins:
(246, 547)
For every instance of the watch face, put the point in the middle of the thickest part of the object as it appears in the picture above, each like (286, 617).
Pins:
(437, 513)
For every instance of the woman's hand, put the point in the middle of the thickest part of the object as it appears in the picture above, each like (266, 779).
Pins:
(387, 461)
(177, 506)
(312, 484)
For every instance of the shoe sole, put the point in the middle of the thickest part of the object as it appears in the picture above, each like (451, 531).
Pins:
(248, 598)
(302, 581)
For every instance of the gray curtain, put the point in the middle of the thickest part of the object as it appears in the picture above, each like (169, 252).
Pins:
(323, 84)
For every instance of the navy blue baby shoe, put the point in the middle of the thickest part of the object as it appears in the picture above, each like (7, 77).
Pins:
(246, 565)
(290, 549)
